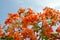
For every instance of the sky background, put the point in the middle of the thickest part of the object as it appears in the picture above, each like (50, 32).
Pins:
(12, 6)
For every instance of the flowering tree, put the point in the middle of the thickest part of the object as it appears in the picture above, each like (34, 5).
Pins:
(27, 24)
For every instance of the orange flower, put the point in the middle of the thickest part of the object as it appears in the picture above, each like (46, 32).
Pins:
(43, 16)
(1, 30)
(33, 17)
(0, 26)
(14, 16)
(19, 22)
(59, 19)
(47, 31)
(28, 33)
(8, 21)
(11, 33)
(53, 22)
(17, 36)
(30, 11)
(26, 20)
(44, 23)
(10, 29)
(30, 19)
(47, 11)
(33, 38)
(21, 10)
(51, 13)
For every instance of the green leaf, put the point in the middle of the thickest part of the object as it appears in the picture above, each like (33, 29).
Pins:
(36, 27)
(45, 37)
(55, 34)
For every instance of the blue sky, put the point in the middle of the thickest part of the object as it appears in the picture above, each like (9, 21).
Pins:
(7, 6)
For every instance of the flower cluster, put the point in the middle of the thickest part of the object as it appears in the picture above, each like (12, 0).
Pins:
(18, 25)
